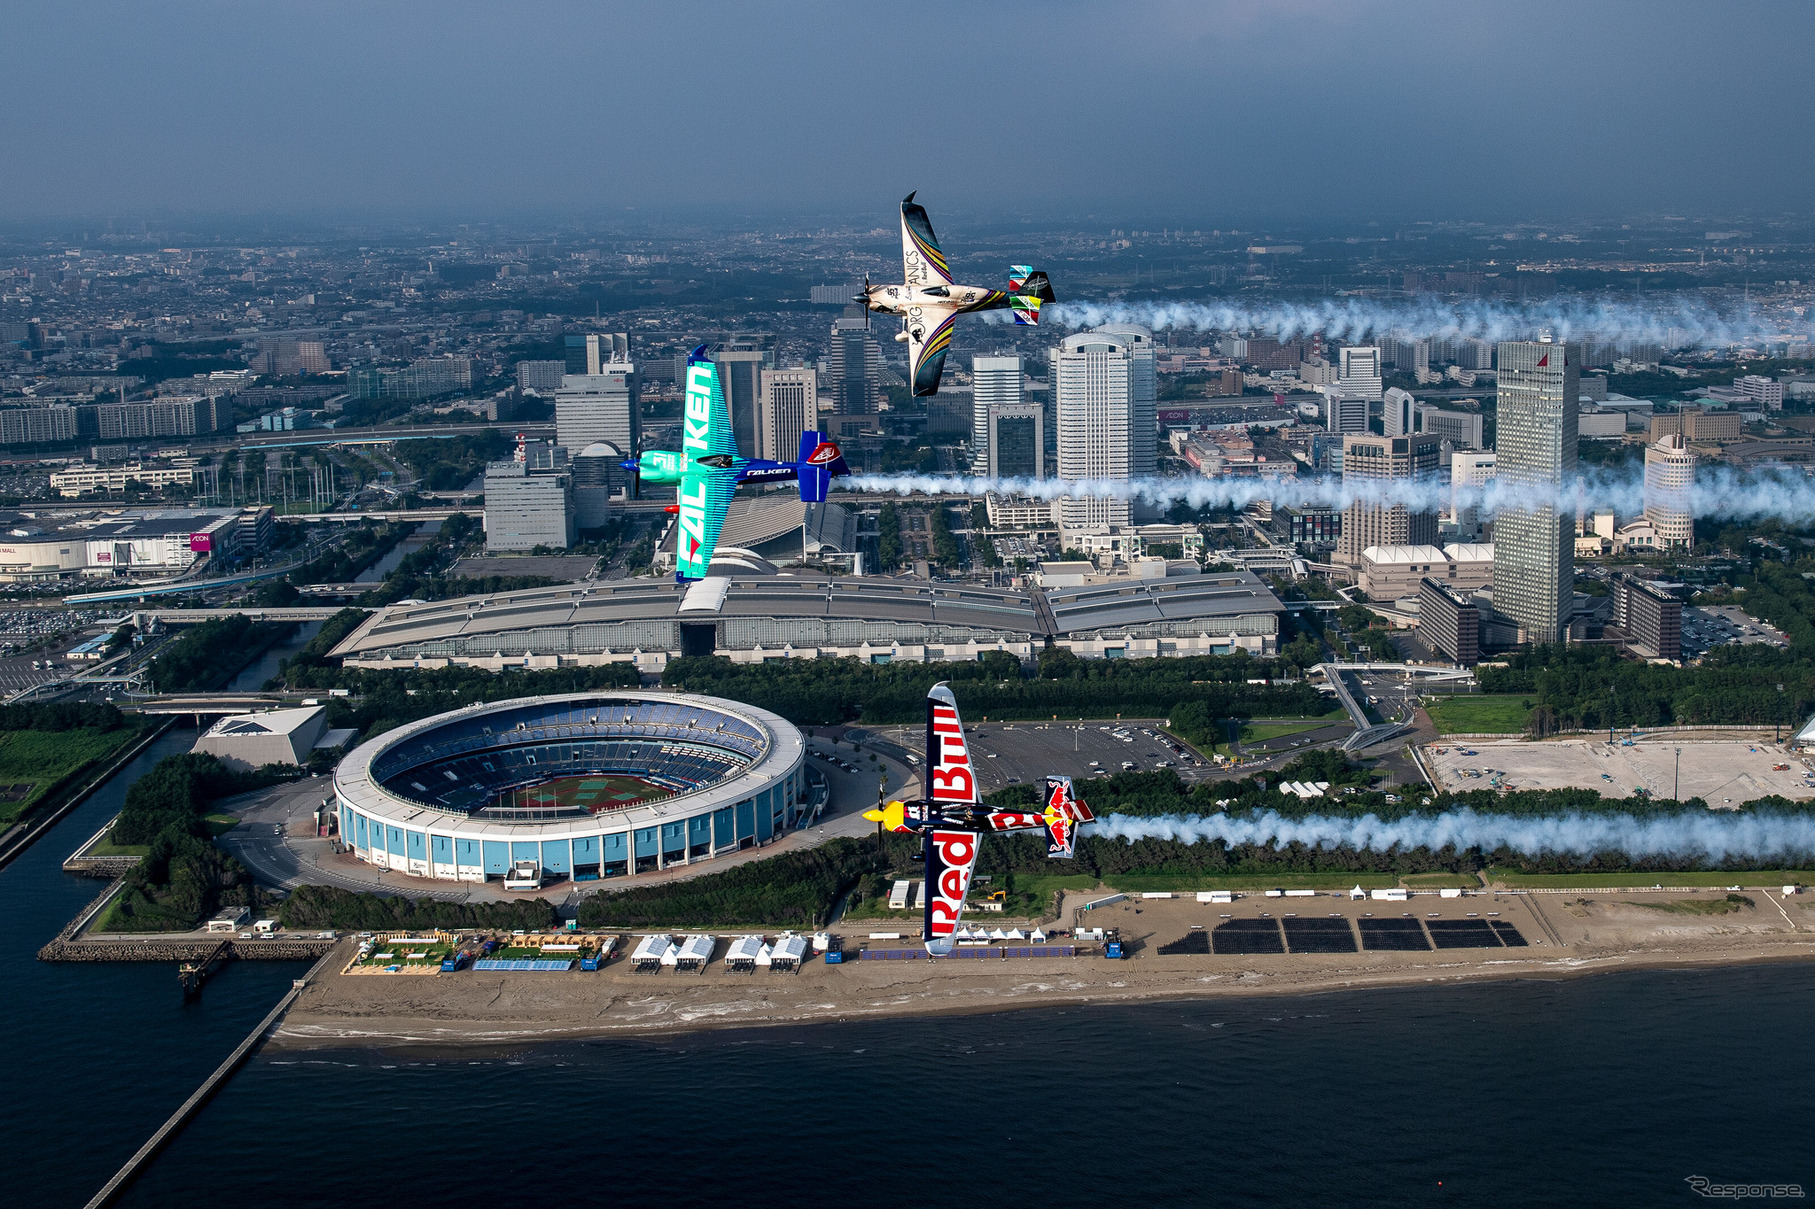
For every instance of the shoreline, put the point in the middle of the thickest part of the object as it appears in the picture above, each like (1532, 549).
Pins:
(494, 1010)
(401, 1033)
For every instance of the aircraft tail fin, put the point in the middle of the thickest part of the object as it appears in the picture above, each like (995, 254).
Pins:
(820, 462)
(1062, 816)
(1028, 292)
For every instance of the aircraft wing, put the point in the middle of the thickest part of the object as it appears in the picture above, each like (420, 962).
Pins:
(951, 857)
(929, 334)
(922, 263)
(704, 495)
(950, 777)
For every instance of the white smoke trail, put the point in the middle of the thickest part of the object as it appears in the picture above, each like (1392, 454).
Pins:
(1771, 492)
(1673, 321)
(1699, 834)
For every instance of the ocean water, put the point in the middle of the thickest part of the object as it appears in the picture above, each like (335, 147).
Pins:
(1607, 1090)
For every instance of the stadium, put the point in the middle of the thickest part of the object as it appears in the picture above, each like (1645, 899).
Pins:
(576, 787)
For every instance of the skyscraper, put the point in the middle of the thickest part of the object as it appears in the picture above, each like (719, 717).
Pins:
(789, 406)
(1343, 412)
(1408, 462)
(1669, 476)
(600, 407)
(854, 367)
(1401, 413)
(1016, 440)
(1104, 388)
(1358, 372)
(1534, 546)
(740, 376)
(993, 380)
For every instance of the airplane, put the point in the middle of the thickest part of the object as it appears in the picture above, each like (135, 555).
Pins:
(953, 819)
(708, 469)
(929, 301)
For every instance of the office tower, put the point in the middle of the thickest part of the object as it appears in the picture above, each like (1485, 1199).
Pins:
(1651, 616)
(527, 507)
(1473, 353)
(1016, 439)
(740, 377)
(789, 406)
(600, 407)
(854, 367)
(1401, 413)
(1669, 479)
(1449, 622)
(1343, 412)
(993, 380)
(288, 358)
(1358, 372)
(1534, 543)
(1104, 393)
(589, 354)
(1469, 470)
(1384, 468)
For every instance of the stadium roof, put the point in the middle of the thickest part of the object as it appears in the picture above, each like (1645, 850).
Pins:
(1145, 601)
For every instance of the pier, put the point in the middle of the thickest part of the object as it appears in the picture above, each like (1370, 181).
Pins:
(202, 1094)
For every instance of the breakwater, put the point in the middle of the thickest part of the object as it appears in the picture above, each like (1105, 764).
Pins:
(182, 950)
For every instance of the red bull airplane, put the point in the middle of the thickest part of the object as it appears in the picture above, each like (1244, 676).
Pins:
(708, 469)
(929, 301)
(953, 820)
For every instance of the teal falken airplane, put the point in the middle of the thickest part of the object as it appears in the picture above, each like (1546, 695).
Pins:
(708, 469)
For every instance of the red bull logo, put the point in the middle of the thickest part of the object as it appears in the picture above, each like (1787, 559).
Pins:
(951, 855)
(948, 760)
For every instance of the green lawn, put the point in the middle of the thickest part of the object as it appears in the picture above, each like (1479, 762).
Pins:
(1260, 732)
(32, 761)
(1772, 878)
(1479, 714)
(1437, 881)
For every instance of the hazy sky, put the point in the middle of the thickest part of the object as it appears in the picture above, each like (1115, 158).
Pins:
(1194, 112)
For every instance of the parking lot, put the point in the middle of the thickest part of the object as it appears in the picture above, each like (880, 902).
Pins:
(1023, 753)
(1708, 626)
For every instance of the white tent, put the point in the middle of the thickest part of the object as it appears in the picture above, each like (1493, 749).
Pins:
(764, 955)
(693, 955)
(651, 948)
(1037, 936)
(789, 952)
(743, 951)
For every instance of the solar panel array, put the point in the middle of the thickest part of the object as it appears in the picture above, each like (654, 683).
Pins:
(522, 963)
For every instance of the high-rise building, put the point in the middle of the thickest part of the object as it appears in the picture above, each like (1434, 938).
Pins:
(1669, 480)
(589, 354)
(1651, 616)
(600, 407)
(288, 358)
(1104, 397)
(1401, 413)
(527, 507)
(1534, 543)
(1370, 463)
(1358, 372)
(1343, 412)
(854, 369)
(740, 377)
(993, 380)
(789, 406)
(1449, 622)
(1469, 470)
(1016, 439)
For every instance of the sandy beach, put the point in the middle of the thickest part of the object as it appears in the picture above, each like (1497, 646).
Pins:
(1568, 935)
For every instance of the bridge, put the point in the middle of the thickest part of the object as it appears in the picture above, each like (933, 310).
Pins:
(1367, 732)
(168, 587)
(210, 703)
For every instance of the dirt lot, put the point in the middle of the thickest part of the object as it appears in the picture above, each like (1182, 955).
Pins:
(1565, 934)
(1719, 771)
